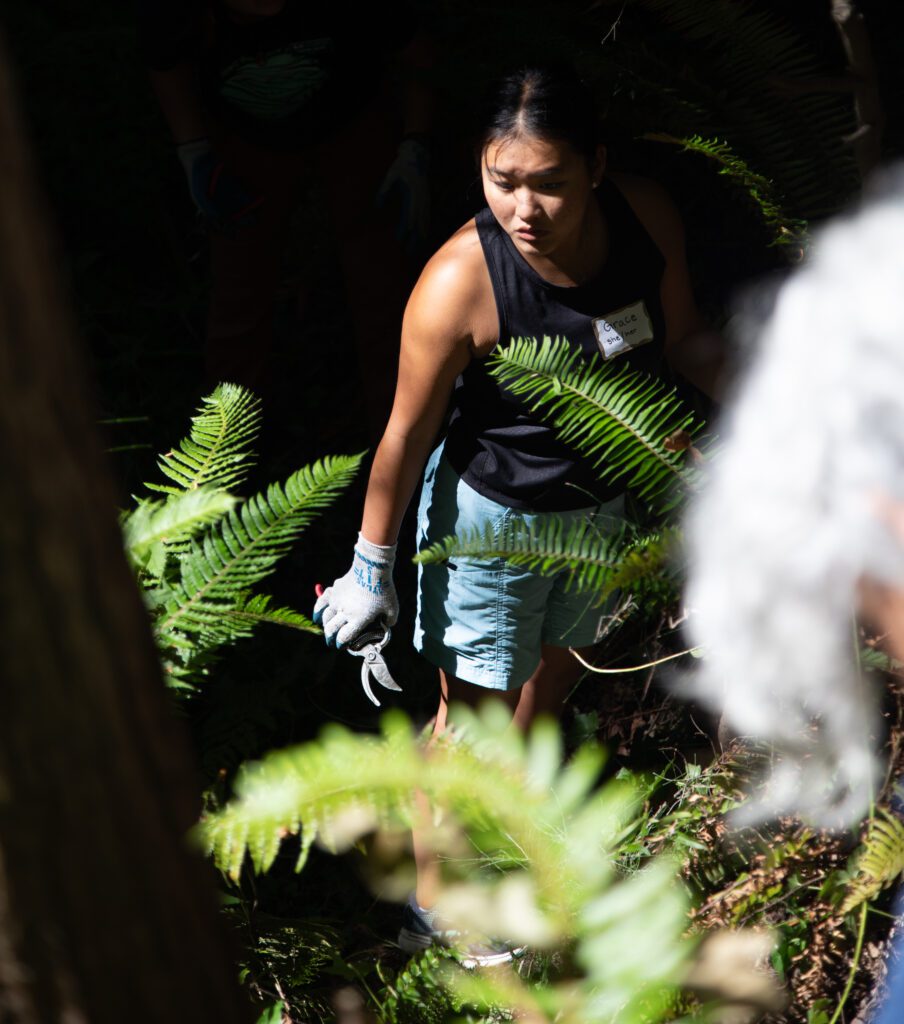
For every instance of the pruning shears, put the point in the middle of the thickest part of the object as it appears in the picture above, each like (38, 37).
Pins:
(368, 647)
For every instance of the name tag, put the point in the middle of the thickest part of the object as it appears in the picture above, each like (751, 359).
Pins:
(623, 329)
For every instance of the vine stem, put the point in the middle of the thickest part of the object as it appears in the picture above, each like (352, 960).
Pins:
(631, 668)
(858, 949)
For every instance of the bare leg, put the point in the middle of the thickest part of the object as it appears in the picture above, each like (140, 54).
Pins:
(543, 693)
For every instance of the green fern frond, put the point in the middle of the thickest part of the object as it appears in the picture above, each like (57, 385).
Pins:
(154, 526)
(185, 669)
(345, 784)
(558, 831)
(879, 661)
(237, 621)
(256, 609)
(616, 416)
(596, 562)
(880, 860)
(242, 549)
(786, 230)
(645, 560)
(417, 993)
(217, 451)
(588, 556)
(742, 76)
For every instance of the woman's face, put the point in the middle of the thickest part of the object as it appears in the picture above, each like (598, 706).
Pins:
(539, 190)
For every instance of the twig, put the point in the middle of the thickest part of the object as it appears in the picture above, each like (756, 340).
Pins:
(631, 668)
(855, 965)
(652, 672)
(866, 140)
(646, 685)
(614, 25)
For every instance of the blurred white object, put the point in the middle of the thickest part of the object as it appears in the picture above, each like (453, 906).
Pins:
(788, 524)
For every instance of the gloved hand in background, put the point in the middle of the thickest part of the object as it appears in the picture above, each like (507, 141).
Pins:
(362, 597)
(219, 196)
(406, 182)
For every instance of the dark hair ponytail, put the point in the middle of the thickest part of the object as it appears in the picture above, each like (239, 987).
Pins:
(545, 101)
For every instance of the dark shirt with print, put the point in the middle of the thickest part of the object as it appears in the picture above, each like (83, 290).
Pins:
(284, 81)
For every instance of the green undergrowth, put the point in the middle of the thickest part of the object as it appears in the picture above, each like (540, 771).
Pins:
(816, 893)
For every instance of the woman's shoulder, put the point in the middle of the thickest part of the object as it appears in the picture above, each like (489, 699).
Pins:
(456, 271)
(454, 289)
(459, 260)
(653, 207)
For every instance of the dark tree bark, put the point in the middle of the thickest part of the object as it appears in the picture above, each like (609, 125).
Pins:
(106, 916)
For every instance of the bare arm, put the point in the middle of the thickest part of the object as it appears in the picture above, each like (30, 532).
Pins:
(180, 100)
(692, 348)
(437, 338)
(169, 36)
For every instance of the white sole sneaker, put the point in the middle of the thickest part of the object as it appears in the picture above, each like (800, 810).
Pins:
(471, 957)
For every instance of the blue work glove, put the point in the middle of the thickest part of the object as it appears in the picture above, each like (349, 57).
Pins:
(363, 597)
(220, 197)
(406, 182)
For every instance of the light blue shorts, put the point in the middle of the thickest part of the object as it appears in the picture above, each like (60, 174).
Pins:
(485, 620)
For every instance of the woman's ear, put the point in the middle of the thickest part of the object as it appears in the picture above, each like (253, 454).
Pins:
(599, 165)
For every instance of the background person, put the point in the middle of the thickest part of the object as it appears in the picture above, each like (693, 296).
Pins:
(559, 248)
(259, 93)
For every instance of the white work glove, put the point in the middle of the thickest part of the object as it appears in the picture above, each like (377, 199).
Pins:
(406, 182)
(362, 597)
(223, 200)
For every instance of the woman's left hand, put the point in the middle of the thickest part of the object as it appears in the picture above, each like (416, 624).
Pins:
(365, 595)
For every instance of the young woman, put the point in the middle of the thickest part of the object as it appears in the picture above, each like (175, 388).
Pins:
(561, 249)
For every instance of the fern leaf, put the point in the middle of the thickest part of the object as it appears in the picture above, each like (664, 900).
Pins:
(313, 784)
(256, 609)
(748, 69)
(879, 661)
(153, 526)
(242, 549)
(553, 832)
(617, 417)
(217, 450)
(580, 550)
(344, 785)
(786, 230)
(879, 862)
(647, 561)
(594, 562)
(186, 681)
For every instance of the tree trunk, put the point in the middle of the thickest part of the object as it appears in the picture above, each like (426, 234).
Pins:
(105, 914)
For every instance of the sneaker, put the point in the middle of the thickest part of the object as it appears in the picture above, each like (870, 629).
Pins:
(420, 931)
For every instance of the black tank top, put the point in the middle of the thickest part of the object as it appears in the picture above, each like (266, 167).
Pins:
(494, 442)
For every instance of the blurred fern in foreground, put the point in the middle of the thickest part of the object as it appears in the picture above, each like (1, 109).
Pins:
(530, 850)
